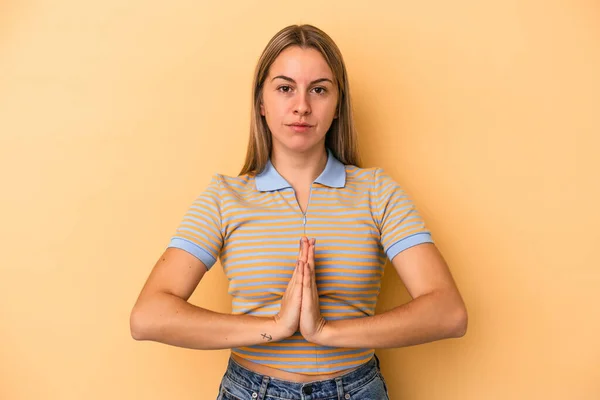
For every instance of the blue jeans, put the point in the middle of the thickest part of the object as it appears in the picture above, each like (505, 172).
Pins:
(363, 383)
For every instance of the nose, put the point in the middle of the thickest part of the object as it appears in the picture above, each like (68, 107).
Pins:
(302, 106)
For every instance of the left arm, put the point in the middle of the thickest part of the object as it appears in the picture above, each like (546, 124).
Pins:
(436, 312)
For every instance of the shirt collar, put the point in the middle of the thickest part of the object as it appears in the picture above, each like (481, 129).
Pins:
(334, 175)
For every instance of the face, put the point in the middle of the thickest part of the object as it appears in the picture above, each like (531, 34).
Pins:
(299, 100)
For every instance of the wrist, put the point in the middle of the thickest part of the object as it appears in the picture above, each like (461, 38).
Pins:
(279, 329)
(323, 335)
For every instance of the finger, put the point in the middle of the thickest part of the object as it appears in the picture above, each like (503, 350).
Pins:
(295, 288)
(304, 253)
(300, 273)
(311, 254)
(293, 278)
(313, 271)
(307, 282)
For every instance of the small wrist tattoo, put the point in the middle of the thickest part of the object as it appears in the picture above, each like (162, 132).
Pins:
(268, 338)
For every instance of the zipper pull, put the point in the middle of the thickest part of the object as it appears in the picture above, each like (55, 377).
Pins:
(304, 219)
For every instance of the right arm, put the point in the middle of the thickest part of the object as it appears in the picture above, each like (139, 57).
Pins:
(163, 314)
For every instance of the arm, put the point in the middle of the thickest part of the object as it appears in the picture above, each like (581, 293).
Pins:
(163, 314)
(436, 312)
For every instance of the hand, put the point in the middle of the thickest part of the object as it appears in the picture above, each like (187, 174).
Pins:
(311, 320)
(288, 317)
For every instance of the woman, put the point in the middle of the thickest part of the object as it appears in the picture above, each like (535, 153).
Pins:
(303, 234)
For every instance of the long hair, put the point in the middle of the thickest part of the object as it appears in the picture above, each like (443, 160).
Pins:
(341, 137)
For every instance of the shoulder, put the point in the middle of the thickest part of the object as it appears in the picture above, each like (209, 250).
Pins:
(372, 176)
(241, 184)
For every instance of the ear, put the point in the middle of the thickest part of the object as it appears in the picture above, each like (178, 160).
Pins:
(262, 109)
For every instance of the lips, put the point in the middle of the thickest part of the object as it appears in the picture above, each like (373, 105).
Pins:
(301, 125)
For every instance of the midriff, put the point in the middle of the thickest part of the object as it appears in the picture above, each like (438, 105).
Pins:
(285, 375)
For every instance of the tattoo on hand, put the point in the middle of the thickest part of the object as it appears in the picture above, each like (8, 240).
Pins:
(267, 337)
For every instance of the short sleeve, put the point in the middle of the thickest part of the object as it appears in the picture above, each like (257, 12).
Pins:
(399, 222)
(199, 233)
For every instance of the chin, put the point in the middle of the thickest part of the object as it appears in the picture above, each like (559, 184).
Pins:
(303, 143)
(303, 148)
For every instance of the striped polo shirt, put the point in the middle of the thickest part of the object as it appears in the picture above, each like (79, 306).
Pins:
(253, 223)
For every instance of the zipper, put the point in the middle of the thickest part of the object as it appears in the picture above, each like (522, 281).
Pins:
(305, 211)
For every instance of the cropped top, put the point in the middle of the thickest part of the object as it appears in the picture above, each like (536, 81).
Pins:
(253, 223)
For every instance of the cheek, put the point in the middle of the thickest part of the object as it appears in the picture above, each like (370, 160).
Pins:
(269, 107)
(330, 111)
(329, 106)
(334, 109)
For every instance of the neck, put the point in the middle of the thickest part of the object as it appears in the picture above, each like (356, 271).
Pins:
(300, 168)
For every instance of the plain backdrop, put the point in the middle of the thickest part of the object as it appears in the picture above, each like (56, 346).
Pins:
(114, 115)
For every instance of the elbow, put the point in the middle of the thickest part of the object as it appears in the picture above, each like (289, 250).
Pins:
(458, 323)
(137, 325)
(147, 318)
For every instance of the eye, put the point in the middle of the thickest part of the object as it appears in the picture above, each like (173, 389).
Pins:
(284, 89)
(320, 90)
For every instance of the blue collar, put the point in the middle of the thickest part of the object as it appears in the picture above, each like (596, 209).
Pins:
(334, 175)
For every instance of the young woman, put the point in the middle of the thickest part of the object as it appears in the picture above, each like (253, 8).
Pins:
(303, 234)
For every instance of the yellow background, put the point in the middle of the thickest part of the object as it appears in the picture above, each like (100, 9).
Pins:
(114, 115)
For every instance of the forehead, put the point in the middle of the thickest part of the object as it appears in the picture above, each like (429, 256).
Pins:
(298, 64)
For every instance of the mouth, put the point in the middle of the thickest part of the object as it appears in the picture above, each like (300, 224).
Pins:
(300, 127)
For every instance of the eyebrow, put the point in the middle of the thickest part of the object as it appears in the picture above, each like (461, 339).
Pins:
(287, 78)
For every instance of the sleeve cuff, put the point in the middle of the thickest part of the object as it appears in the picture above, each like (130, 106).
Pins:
(207, 259)
(408, 242)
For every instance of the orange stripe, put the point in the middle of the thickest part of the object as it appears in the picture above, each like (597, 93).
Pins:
(296, 359)
(294, 257)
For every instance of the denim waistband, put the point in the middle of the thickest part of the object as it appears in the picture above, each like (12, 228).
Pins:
(265, 385)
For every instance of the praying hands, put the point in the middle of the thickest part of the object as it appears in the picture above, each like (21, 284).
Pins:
(300, 302)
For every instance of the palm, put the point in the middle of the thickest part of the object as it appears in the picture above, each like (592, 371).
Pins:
(311, 320)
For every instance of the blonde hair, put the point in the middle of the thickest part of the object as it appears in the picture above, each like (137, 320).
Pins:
(341, 137)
